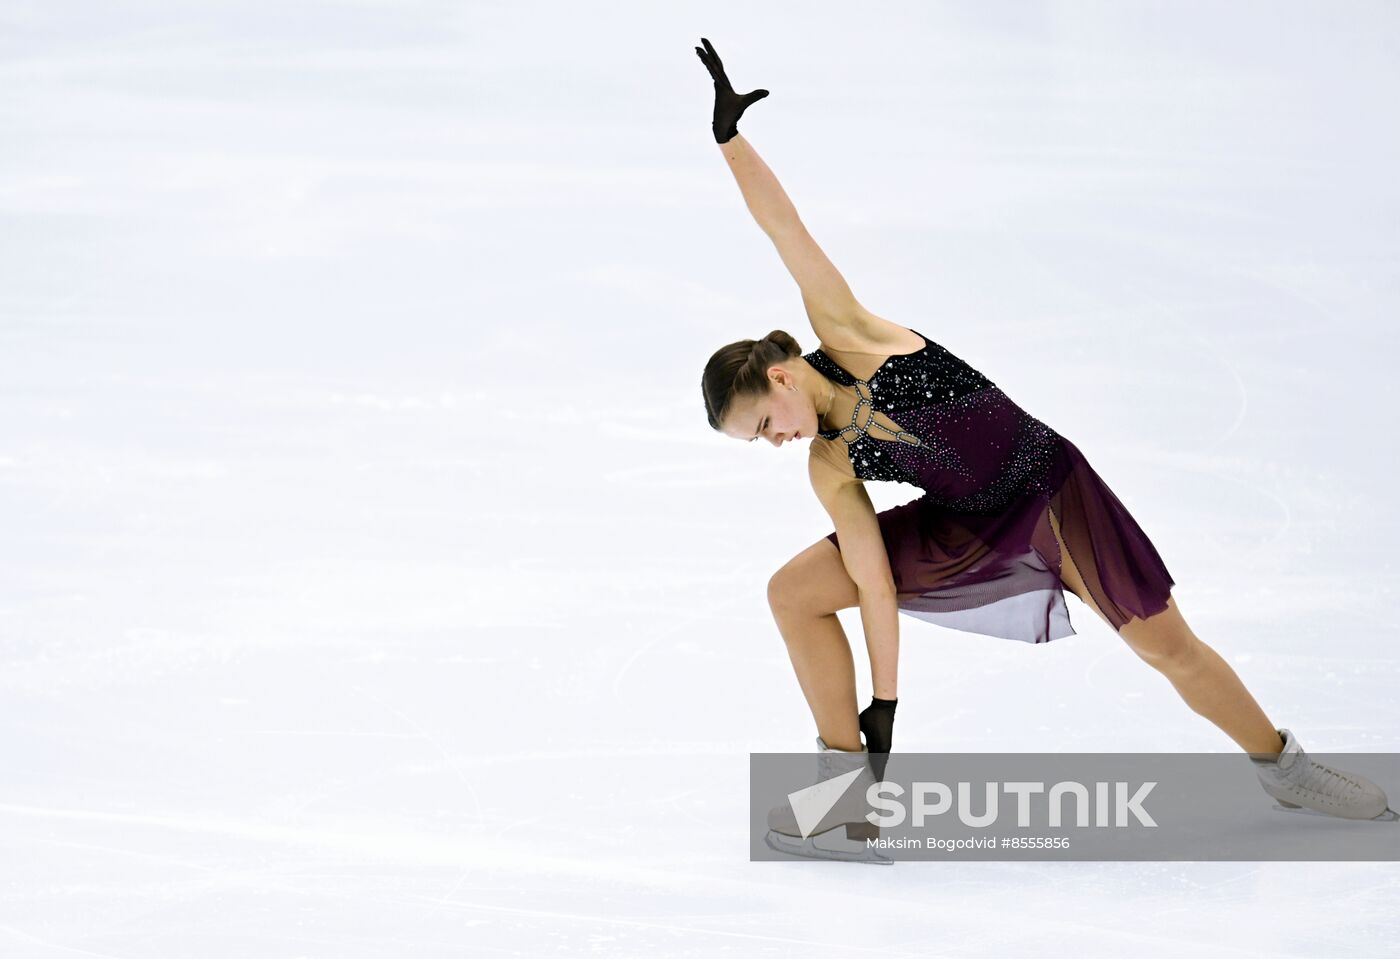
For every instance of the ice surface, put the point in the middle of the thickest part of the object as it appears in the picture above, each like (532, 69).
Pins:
(374, 586)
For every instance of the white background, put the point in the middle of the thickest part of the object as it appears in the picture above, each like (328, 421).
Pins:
(372, 583)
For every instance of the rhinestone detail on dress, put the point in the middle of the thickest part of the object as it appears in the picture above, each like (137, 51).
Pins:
(935, 378)
(904, 381)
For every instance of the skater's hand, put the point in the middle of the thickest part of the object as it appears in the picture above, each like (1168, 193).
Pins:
(729, 106)
(877, 725)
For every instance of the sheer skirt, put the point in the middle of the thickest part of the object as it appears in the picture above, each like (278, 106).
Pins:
(1000, 575)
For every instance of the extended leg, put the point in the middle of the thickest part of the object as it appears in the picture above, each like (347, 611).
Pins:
(1203, 678)
(1205, 681)
(804, 596)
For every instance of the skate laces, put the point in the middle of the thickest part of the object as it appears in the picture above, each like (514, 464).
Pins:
(1323, 780)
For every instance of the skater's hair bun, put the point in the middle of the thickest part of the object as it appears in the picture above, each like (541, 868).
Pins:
(741, 370)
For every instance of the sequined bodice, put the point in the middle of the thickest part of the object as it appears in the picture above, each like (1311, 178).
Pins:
(960, 438)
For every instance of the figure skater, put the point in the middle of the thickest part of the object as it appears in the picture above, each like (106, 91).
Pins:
(1012, 514)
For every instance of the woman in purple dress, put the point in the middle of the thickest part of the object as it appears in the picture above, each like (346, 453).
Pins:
(1012, 512)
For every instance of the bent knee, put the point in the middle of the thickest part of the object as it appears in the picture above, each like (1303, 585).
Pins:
(785, 590)
(814, 582)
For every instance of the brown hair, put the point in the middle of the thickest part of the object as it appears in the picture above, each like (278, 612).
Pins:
(740, 370)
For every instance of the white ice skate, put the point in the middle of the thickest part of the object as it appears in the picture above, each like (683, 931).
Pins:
(1301, 785)
(841, 833)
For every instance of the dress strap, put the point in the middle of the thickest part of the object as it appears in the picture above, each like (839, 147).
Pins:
(865, 401)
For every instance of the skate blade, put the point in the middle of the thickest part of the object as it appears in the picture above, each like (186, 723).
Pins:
(827, 845)
(1389, 815)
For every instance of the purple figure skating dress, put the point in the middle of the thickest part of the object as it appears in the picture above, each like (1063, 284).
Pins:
(977, 551)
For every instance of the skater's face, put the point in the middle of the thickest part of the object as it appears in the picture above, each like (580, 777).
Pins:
(786, 412)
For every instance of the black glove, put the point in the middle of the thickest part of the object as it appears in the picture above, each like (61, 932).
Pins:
(877, 725)
(729, 106)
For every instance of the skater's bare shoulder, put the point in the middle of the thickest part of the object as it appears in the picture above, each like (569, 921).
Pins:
(830, 454)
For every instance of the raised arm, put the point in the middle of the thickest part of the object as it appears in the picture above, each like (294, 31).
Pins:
(825, 293)
(764, 195)
(830, 304)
